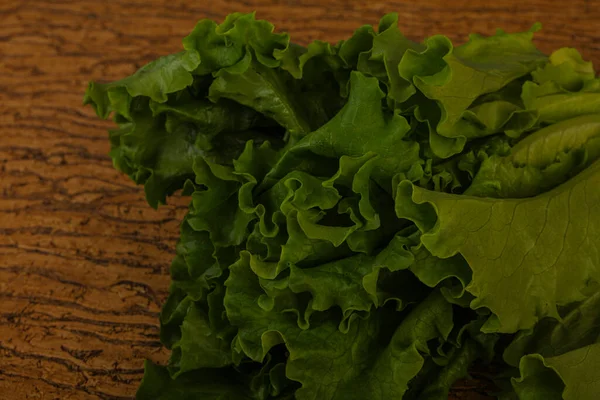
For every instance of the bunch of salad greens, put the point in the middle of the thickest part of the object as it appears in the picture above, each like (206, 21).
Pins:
(368, 220)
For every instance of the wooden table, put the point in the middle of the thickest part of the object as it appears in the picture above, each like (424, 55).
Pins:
(83, 260)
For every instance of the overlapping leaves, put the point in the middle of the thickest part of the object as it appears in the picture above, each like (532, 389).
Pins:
(368, 219)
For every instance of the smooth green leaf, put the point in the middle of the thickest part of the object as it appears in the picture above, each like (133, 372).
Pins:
(544, 246)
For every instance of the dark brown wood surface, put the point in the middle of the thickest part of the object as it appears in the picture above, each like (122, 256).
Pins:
(83, 260)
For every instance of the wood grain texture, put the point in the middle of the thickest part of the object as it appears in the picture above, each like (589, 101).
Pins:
(83, 260)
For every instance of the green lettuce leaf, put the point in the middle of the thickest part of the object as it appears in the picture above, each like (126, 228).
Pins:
(456, 77)
(564, 88)
(202, 384)
(544, 245)
(330, 370)
(560, 359)
(155, 80)
(344, 135)
(541, 161)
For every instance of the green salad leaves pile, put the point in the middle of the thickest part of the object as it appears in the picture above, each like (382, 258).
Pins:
(372, 219)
